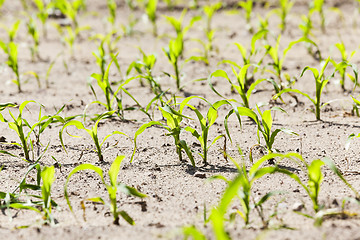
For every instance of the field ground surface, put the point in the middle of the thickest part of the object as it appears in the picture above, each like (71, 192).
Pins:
(178, 194)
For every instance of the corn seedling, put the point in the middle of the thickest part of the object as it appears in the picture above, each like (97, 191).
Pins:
(111, 188)
(70, 35)
(193, 4)
(42, 13)
(173, 53)
(278, 58)
(93, 132)
(315, 178)
(110, 41)
(33, 32)
(320, 83)
(207, 46)
(241, 188)
(150, 9)
(209, 11)
(12, 31)
(132, 20)
(283, 11)
(263, 23)
(247, 6)
(173, 125)
(241, 85)
(113, 98)
(128, 29)
(19, 124)
(318, 6)
(356, 106)
(70, 9)
(44, 202)
(144, 67)
(111, 4)
(345, 62)
(11, 50)
(306, 27)
(247, 57)
(179, 28)
(51, 65)
(264, 126)
(205, 124)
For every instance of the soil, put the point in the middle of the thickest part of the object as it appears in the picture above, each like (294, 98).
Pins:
(177, 193)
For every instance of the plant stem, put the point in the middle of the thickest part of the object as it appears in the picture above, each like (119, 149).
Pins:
(177, 74)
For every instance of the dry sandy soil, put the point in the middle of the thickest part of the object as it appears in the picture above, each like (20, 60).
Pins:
(176, 195)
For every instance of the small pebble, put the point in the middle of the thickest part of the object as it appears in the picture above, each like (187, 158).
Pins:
(298, 206)
(200, 175)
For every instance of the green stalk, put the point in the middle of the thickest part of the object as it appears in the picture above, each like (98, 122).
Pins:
(178, 147)
(108, 101)
(177, 74)
(24, 143)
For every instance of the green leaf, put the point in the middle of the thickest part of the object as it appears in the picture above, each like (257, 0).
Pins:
(126, 217)
(141, 130)
(81, 167)
(114, 170)
(188, 152)
(130, 191)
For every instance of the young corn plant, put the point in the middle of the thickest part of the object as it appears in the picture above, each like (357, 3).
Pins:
(241, 188)
(283, 12)
(247, 6)
(209, 11)
(205, 124)
(12, 31)
(320, 83)
(144, 67)
(342, 66)
(111, 4)
(29, 135)
(318, 6)
(241, 85)
(263, 23)
(113, 98)
(111, 188)
(173, 125)
(44, 203)
(93, 132)
(207, 46)
(278, 58)
(150, 9)
(356, 106)
(70, 9)
(181, 30)
(11, 50)
(132, 19)
(70, 35)
(248, 57)
(42, 13)
(264, 126)
(102, 54)
(173, 53)
(34, 33)
(306, 27)
(315, 178)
